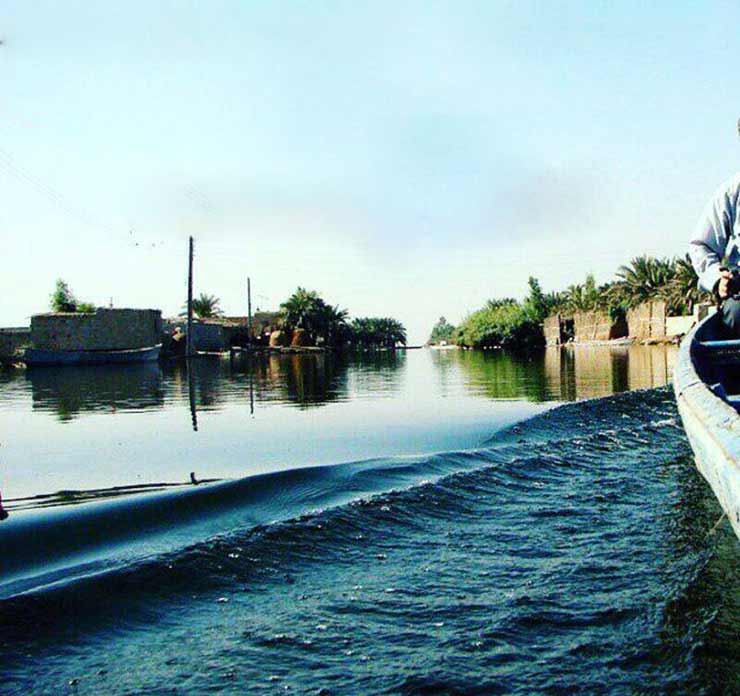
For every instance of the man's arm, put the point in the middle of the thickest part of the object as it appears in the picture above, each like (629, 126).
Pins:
(711, 236)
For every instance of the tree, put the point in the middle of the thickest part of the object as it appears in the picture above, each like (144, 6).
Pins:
(442, 331)
(205, 307)
(62, 299)
(377, 332)
(506, 325)
(682, 292)
(642, 280)
(299, 310)
(535, 305)
(306, 310)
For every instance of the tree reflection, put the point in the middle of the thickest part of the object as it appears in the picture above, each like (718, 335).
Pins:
(560, 373)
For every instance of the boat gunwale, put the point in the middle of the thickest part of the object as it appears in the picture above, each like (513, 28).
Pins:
(710, 423)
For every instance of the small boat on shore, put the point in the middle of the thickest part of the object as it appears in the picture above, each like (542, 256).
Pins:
(37, 357)
(707, 386)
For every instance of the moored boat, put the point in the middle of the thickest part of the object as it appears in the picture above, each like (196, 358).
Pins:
(37, 356)
(707, 386)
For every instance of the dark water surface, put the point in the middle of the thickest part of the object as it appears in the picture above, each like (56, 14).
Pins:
(459, 548)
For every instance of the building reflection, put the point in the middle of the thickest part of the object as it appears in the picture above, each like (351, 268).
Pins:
(71, 391)
(562, 373)
(308, 381)
(588, 372)
(301, 380)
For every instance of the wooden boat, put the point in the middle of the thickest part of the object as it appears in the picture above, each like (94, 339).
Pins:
(36, 356)
(707, 385)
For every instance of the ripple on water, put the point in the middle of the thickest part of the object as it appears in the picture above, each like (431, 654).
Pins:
(560, 564)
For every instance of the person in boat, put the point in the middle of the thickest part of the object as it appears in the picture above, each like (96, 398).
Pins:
(177, 344)
(714, 253)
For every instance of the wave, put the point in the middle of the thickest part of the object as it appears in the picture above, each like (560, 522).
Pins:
(572, 533)
(42, 548)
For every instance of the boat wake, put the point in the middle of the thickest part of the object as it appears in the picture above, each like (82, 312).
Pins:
(565, 540)
(43, 547)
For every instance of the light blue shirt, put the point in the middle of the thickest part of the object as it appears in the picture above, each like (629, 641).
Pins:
(716, 233)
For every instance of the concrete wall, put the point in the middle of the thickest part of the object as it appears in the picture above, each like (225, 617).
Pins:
(106, 329)
(13, 341)
(679, 326)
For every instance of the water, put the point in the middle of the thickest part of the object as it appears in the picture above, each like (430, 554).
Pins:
(459, 548)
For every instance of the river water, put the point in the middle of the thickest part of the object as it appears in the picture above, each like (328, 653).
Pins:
(419, 523)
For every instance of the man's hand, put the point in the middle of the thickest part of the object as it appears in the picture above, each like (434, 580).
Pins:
(727, 284)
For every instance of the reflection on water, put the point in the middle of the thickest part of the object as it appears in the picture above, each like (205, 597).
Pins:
(70, 391)
(562, 374)
(308, 381)
(145, 425)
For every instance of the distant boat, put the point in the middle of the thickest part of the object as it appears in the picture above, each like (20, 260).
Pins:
(707, 385)
(36, 356)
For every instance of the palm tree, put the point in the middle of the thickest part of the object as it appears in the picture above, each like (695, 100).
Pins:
(495, 303)
(642, 280)
(392, 332)
(682, 292)
(304, 309)
(298, 311)
(378, 332)
(330, 322)
(205, 307)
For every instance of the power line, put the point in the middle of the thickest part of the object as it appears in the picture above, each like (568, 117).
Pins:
(8, 163)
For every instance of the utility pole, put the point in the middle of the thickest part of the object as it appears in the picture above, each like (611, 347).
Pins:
(249, 309)
(189, 337)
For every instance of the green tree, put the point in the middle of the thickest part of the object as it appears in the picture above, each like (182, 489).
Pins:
(205, 307)
(62, 299)
(536, 304)
(682, 292)
(306, 310)
(642, 280)
(442, 331)
(505, 325)
(377, 332)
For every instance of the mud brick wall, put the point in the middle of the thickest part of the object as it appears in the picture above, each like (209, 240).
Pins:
(13, 341)
(647, 320)
(552, 330)
(105, 329)
(209, 335)
(593, 326)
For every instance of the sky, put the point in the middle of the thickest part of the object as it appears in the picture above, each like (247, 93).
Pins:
(405, 159)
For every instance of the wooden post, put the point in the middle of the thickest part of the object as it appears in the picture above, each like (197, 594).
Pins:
(189, 338)
(249, 309)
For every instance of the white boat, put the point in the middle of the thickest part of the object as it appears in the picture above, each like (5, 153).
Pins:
(707, 385)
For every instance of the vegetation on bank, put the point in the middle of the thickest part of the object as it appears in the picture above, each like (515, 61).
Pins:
(330, 326)
(204, 307)
(64, 300)
(508, 323)
(442, 333)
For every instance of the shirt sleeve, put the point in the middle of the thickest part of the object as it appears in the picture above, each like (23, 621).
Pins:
(710, 239)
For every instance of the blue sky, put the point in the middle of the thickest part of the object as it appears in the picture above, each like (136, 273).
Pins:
(403, 158)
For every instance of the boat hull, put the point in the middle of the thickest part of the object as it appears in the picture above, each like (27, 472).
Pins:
(37, 357)
(712, 425)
